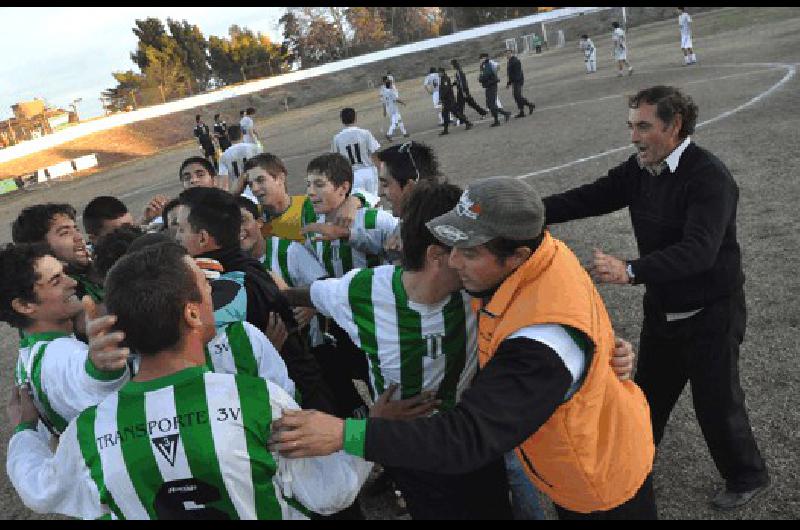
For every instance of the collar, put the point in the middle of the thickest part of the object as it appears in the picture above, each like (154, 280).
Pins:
(671, 162)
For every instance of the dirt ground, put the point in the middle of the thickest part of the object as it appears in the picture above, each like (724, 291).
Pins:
(748, 94)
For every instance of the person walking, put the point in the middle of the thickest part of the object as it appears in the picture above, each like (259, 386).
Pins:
(516, 79)
(685, 24)
(449, 105)
(589, 54)
(489, 80)
(463, 96)
(620, 49)
(682, 202)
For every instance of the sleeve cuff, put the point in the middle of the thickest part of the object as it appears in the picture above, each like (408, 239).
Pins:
(25, 426)
(100, 375)
(355, 431)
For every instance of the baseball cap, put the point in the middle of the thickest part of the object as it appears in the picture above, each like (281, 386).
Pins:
(490, 208)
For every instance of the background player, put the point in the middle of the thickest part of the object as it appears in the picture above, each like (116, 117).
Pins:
(390, 100)
(620, 49)
(221, 133)
(431, 84)
(358, 146)
(685, 23)
(589, 54)
(203, 135)
(232, 161)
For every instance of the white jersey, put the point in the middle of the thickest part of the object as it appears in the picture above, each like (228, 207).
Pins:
(232, 161)
(685, 23)
(357, 145)
(63, 379)
(248, 127)
(588, 48)
(432, 82)
(193, 440)
(241, 348)
(389, 98)
(368, 234)
(620, 47)
(421, 347)
(293, 261)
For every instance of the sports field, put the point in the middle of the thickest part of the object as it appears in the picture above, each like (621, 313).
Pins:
(749, 97)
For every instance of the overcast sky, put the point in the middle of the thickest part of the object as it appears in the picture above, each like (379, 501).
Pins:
(64, 53)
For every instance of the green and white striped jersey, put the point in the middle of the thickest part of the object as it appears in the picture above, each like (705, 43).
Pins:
(192, 444)
(63, 379)
(421, 347)
(295, 263)
(368, 233)
(242, 348)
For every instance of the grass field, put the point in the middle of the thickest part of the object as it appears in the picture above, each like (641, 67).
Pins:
(749, 96)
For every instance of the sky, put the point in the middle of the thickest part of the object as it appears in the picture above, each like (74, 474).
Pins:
(64, 53)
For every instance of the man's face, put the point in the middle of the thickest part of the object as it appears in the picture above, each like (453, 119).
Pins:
(54, 291)
(391, 190)
(269, 188)
(439, 257)
(654, 139)
(205, 307)
(196, 176)
(324, 196)
(479, 269)
(109, 225)
(66, 241)
(186, 236)
(250, 232)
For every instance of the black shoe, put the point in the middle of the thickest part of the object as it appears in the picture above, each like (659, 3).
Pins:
(443, 133)
(484, 114)
(729, 500)
(520, 115)
(406, 135)
(495, 124)
(531, 106)
(468, 126)
(507, 116)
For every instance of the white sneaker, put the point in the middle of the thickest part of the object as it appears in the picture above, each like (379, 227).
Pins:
(630, 70)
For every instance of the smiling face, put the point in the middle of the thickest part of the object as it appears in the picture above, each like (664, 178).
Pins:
(66, 241)
(270, 189)
(654, 140)
(56, 301)
(391, 190)
(250, 233)
(324, 195)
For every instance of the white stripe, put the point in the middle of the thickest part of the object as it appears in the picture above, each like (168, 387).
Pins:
(384, 308)
(230, 443)
(115, 474)
(160, 407)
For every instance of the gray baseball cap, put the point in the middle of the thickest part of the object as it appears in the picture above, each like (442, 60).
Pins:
(490, 208)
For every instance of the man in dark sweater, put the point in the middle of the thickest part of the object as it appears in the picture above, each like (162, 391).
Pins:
(517, 79)
(489, 80)
(682, 203)
(463, 97)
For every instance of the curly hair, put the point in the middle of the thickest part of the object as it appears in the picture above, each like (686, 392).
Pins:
(17, 279)
(33, 223)
(669, 102)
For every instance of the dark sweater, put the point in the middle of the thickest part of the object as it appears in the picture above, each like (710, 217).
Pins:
(515, 70)
(684, 223)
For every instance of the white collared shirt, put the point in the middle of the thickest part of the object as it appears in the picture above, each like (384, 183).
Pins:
(675, 156)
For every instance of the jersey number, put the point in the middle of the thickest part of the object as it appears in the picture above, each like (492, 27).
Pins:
(357, 158)
(187, 499)
(236, 172)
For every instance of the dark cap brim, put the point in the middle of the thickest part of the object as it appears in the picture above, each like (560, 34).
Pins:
(456, 230)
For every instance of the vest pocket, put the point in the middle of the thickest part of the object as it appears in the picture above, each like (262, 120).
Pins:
(532, 468)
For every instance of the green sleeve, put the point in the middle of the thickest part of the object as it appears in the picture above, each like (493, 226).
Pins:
(355, 431)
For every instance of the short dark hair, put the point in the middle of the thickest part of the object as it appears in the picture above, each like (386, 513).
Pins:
(234, 132)
(432, 70)
(334, 166)
(669, 102)
(584, 36)
(455, 63)
(250, 110)
(17, 279)
(267, 162)
(348, 115)
(112, 246)
(172, 204)
(215, 211)
(197, 117)
(33, 223)
(615, 24)
(216, 116)
(248, 205)
(427, 201)
(145, 240)
(483, 54)
(148, 290)
(410, 161)
(197, 160)
(502, 248)
(99, 209)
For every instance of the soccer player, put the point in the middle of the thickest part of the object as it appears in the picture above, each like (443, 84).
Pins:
(203, 135)
(620, 48)
(177, 442)
(197, 172)
(103, 215)
(391, 99)
(589, 54)
(431, 84)
(54, 224)
(232, 163)
(463, 96)
(249, 134)
(358, 146)
(221, 133)
(488, 79)
(449, 104)
(41, 301)
(685, 24)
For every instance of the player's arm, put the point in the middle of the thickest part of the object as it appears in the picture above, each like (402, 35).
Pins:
(270, 364)
(371, 231)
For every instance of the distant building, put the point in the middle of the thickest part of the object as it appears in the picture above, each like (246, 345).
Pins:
(33, 119)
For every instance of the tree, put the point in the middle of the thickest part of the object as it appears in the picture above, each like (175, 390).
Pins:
(193, 47)
(369, 32)
(166, 69)
(150, 33)
(123, 95)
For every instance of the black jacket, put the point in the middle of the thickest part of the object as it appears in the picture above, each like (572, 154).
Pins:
(446, 94)
(488, 76)
(684, 223)
(460, 82)
(514, 70)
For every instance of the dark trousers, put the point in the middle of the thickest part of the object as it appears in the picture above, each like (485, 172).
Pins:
(451, 108)
(641, 506)
(491, 101)
(480, 494)
(466, 99)
(516, 88)
(210, 154)
(704, 350)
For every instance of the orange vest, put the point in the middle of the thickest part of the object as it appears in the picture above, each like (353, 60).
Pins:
(596, 450)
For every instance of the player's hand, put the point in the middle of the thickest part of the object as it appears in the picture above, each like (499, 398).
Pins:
(279, 281)
(154, 208)
(20, 407)
(105, 346)
(608, 269)
(303, 433)
(276, 331)
(404, 409)
(326, 231)
(622, 359)
(303, 315)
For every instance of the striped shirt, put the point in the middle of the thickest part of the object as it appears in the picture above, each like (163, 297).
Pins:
(292, 261)
(368, 234)
(421, 347)
(63, 379)
(190, 444)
